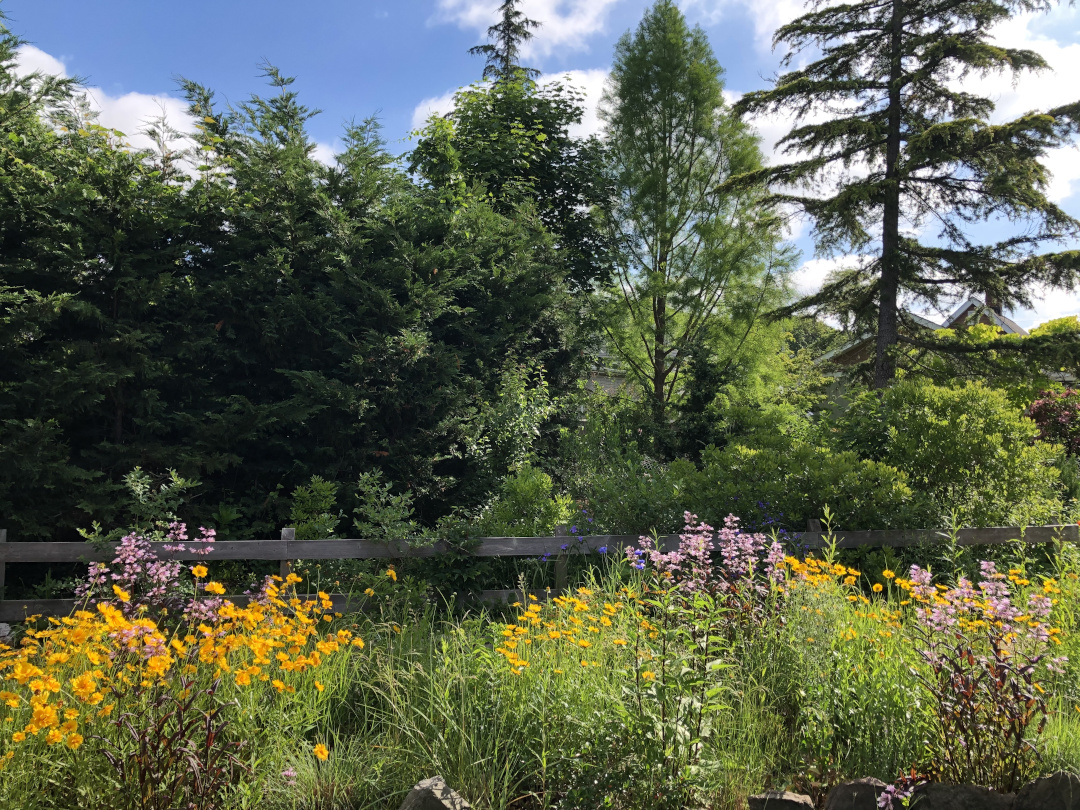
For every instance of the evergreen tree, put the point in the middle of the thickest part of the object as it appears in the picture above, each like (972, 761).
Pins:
(692, 261)
(503, 53)
(904, 145)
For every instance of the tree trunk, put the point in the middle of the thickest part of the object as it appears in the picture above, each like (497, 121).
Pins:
(888, 334)
(659, 369)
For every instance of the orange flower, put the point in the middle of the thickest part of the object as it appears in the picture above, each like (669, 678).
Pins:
(199, 571)
(321, 753)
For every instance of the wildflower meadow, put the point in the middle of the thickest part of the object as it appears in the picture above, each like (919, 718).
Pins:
(694, 677)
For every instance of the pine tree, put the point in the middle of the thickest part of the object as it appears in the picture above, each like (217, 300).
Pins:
(507, 36)
(904, 145)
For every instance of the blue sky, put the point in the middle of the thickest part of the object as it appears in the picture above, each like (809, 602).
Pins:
(401, 60)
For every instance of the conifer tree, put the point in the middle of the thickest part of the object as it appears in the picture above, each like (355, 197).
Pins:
(692, 261)
(904, 145)
(503, 53)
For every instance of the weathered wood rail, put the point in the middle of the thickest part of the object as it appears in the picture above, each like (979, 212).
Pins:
(557, 549)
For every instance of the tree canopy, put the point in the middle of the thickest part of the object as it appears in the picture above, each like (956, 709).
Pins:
(896, 158)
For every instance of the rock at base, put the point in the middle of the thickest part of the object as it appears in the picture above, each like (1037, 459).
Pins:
(861, 794)
(1058, 791)
(780, 800)
(434, 794)
(935, 796)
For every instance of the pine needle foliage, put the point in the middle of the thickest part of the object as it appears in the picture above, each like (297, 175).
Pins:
(896, 158)
(503, 53)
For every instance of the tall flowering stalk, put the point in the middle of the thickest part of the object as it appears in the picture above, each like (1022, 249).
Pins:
(727, 559)
(984, 655)
(140, 582)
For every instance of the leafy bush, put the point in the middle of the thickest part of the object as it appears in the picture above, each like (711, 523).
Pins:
(526, 506)
(1057, 415)
(787, 486)
(966, 448)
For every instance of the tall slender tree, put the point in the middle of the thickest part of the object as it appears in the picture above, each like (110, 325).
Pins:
(691, 258)
(890, 138)
(503, 53)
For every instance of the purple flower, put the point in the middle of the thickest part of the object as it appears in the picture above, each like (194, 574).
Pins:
(602, 549)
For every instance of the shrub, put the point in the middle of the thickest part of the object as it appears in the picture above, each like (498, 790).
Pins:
(786, 487)
(974, 455)
(1057, 415)
(526, 506)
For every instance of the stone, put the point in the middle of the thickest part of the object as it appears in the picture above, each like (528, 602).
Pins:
(1058, 791)
(936, 796)
(6, 636)
(434, 794)
(781, 800)
(861, 794)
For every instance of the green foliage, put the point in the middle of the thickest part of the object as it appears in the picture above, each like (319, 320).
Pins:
(313, 512)
(875, 86)
(512, 31)
(787, 485)
(380, 514)
(526, 506)
(263, 318)
(693, 262)
(966, 448)
(509, 142)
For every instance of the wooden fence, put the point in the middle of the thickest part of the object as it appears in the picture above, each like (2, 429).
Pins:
(557, 549)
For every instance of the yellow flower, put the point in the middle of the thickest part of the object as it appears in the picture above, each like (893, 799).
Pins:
(319, 686)
(648, 675)
(888, 574)
(369, 592)
(199, 571)
(619, 642)
(121, 594)
(243, 678)
(877, 587)
(390, 572)
(279, 685)
(321, 753)
(215, 587)
(19, 736)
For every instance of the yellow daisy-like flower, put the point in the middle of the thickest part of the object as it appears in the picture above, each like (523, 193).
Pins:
(321, 753)
(877, 587)
(648, 675)
(74, 741)
(199, 571)
(121, 594)
(888, 574)
(319, 686)
(390, 572)
(215, 588)
(369, 592)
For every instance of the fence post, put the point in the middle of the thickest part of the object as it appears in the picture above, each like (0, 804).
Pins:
(560, 562)
(288, 536)
(3, 565)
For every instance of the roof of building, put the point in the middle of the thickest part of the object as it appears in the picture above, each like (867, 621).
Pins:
(963, 314)
(973, 306)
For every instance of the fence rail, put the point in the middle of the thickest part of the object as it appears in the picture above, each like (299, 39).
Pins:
(557, 549)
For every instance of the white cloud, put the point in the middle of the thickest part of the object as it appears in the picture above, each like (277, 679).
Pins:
(1048, 305)
(765, 16)
(325, 153)
(31, 59)
(436, 105)
(129, 113)
(565, 24)
(813, 273)
(590, 82)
